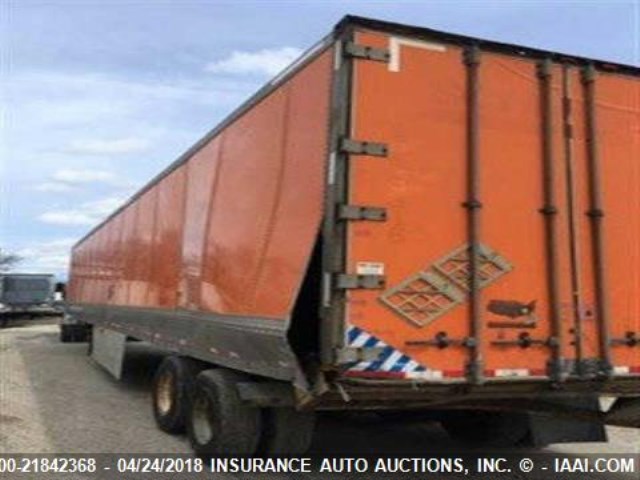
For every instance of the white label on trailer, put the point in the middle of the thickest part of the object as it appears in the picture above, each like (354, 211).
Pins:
(370, 268)
(394, 49)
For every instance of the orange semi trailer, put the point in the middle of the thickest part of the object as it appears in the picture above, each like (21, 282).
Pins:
(403, 219)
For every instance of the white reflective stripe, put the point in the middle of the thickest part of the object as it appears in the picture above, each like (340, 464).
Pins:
(621, 370)
(360, 366)
(426, 375)
(410, 366)
(394, 49)
(391, 361)
(360, 340)
(512, 372)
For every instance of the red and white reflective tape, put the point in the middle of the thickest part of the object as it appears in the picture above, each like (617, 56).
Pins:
(626, 370)
(515, 372)
(382, 374)
(444, 374)
(501, 373)
(492, 373)
(426, 375)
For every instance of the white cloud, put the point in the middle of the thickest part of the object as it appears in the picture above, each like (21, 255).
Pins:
(69, 109)
(71, 176)
(103, 207)
(83, 121)
(107, 101)
(88, 213)
(267, 62)
(68, 180)
(54, 187)
(46, 257)
(119, 146)
(67, 217)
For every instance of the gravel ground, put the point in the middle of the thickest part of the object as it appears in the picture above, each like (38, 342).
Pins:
(54, 399)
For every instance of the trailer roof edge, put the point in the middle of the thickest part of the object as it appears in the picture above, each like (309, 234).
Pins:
(319, 47)
(490, 45)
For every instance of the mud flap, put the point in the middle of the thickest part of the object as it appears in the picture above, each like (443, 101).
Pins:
(625, 413)
(108, 350)
(545, 429)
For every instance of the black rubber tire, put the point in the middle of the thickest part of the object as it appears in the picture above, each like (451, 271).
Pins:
(89, 338)
(66, 333)
(173, 385)
(219, 423)
(487, 429)
(285, 431)
(90, 342)
(70, 333)
(81, 333)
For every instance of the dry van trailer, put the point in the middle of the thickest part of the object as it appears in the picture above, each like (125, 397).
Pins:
(403, 219)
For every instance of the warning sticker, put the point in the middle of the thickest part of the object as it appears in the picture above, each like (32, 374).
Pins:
(370, 268)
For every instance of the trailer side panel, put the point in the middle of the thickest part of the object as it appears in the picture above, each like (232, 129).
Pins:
(209, 259)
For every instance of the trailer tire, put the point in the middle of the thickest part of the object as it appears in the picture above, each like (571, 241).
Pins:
(487, 429)
(66, 333)
(173, 385)
(89, 339)
(82, 333)
(71, 333)
(219, 423)
(285, 431)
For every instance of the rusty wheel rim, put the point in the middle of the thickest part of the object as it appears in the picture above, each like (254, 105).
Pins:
(164, 393)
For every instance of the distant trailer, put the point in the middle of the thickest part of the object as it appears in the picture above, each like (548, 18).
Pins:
(30, 294)
(403, 219)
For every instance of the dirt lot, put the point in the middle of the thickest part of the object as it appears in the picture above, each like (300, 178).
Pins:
(54, 399)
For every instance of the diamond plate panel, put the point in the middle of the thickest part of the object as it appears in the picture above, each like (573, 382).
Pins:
(431, 293)
(456, 267)
(423, 297)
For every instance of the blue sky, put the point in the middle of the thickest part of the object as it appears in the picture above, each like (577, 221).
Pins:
(97, 97)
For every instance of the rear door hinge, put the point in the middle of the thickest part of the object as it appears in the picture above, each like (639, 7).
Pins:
(355, 50)
(346, 281)
(359, 212)
(357, 147)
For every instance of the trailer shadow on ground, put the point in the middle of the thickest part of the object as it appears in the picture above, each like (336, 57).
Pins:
(141, 362)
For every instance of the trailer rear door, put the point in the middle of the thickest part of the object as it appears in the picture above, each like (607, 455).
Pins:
(518, 158)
